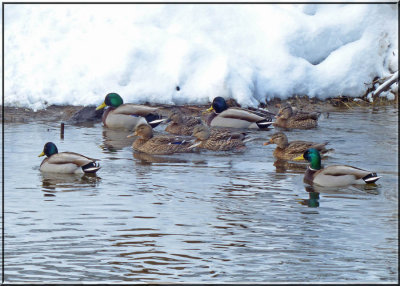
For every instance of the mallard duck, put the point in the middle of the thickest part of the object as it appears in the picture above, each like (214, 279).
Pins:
(159, 145)
(66, 162)
(287, 117)
(127, 116)
(181, 125)
(289, 151)
(236, 117)
(217, 140)
(335, 175)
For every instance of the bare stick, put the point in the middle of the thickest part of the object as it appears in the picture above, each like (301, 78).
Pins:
(384, 86)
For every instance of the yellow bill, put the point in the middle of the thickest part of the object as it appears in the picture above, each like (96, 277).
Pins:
(208, 110)
(41, 154)
(101, 106)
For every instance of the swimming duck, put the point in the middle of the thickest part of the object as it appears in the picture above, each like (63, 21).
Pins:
(236, 117)
(181, 125)
(287, 117)
(160, 145)
(335, 175)
(289, 151)
(217, 140)
(66, 162)
(127, 116)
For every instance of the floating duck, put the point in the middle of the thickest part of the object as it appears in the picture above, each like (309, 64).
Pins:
(335, 175)
(127, 116)
(289, 151)
(236, 117)
(158, 145)
(289, 118)
(217, 140)
(66, 162)
(181, 125)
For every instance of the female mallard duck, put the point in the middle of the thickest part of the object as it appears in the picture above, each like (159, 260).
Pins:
(66, 162)
(181, 125)
(236, 117)
(160, 145)
(217, 140)
(289, 118)
(127, 116)
(289, 151)
(335, 175)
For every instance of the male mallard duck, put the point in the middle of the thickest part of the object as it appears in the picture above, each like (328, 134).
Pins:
(217, 140)
(160, 145)
(127, 116)
(289, 118)
(181, 125)
(236, 117)
(335, 175)
(66, 162)
(289, 151)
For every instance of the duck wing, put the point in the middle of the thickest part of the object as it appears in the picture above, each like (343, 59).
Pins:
(168, 140)
(135, 109)
(299, 146)
(343, 170)
(305, 116)
(241, 114)
(260, 112)
(220, 134)
(70, 157)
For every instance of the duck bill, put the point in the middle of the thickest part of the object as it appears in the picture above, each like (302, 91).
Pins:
(208, 110)
(132, 135)
(41, 154)
(268, 142)
(101, 106)
(299, 158)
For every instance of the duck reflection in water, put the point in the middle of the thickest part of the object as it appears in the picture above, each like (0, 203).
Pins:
(337, 192)
(282, 166)
(146, 159)
(115, 139)
(53, 182)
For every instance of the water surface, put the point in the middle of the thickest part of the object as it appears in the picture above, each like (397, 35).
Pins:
(201, 217)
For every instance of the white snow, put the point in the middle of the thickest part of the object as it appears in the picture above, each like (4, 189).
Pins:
(76, 54)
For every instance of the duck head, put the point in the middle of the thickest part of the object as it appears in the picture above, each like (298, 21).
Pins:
(175, 117)
(279, 139)
(49, 149)
(311, 155)
(144, 131)
(285, 112)
(112, 99)
(218, 105)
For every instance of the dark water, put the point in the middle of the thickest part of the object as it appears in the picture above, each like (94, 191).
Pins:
(203, 217)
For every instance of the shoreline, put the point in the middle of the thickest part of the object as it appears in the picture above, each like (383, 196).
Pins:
(84, 114)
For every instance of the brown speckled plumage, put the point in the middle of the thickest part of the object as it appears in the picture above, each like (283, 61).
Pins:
(218, 139)
(159, 145)
(288, 118)
(289, 151)
(181, 125)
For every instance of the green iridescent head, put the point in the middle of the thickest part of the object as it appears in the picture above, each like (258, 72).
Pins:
(311, 155)
(112, 99)
(49, 149)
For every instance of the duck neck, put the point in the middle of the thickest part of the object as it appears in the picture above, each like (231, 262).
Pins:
(282, 143)
(315, 163)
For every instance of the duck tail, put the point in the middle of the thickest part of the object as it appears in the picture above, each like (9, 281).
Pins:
(371, 178)
(154, 119)
(91, 168)
(264, 124)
